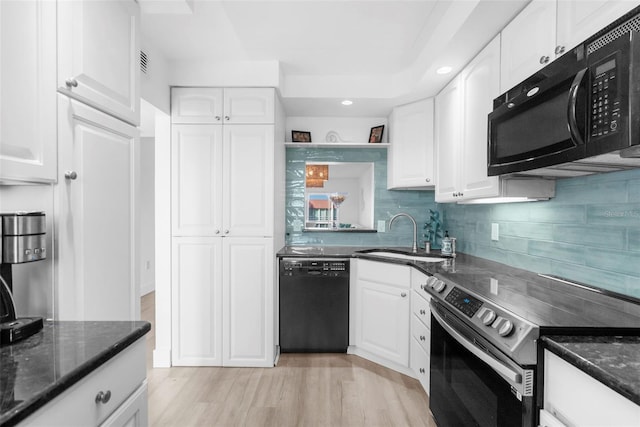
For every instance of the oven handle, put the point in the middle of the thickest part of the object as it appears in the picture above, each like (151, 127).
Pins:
(572, 106)
(496, 365)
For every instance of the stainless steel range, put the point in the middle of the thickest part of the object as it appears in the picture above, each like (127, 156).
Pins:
(485, 327)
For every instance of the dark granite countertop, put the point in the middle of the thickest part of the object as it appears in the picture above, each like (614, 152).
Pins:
(37, 369)
(612, 360)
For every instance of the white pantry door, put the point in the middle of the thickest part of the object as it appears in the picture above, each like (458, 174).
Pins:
(95, 220)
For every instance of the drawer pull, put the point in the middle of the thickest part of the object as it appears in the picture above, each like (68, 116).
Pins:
(103, 397)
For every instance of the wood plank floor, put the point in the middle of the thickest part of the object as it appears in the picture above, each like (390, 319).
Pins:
(303, 390)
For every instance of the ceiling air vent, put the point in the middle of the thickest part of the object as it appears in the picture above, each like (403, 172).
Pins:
(144, 62)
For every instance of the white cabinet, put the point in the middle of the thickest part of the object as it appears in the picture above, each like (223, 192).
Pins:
(411, 156)
(382, 311)
(221, 293)
(578, 19)
(223, 105)
(95, 224)
(461, 130)
(98, 55)
(577, 399)
(528, 43)
(197, 301)
(124, 376)
(223, 178)
(28, 91)
(420, 329)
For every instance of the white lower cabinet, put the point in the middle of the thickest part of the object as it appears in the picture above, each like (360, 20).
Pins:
(222, 297)
(574, 398)
(382, 311)
(124, 377)
(420, 329)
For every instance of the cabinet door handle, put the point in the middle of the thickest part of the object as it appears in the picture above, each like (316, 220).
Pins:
(71, 82)
(544, 59)
(71, 175)
(404, 294)
(103, 396)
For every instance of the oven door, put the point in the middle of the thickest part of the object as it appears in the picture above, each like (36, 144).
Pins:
(472, 383)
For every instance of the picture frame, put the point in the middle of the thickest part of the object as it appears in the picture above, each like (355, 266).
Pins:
(375, 136)
(300, 136)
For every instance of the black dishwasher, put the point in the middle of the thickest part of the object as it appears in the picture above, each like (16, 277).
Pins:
(314, 305)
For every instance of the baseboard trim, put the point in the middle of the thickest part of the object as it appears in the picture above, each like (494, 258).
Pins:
(162, 358)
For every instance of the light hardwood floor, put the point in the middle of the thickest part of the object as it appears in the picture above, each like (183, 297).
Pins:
(303, 390)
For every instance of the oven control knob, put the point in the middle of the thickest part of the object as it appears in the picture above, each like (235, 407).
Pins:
(488, 317)
(439, 286)
(505, 329)
(431, 280)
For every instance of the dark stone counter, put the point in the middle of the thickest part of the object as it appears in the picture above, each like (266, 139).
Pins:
(37, 369)
(612, 360)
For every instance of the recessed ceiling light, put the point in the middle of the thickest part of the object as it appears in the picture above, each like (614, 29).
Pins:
(347, 102)
(444, 70)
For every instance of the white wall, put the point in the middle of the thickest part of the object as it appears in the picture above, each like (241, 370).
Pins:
(32, 282)
(154, 86)
(146, 205)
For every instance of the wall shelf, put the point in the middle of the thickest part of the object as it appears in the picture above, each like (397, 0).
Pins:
(334, 145)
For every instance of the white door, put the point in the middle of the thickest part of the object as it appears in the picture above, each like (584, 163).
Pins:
(480, 83)
(95, 221)
(249, 105)
(196, 180)
(198, 105)
(579, 19)
(28, 91)
(248, 295)
(98, 55)
(248, 170)
(448, 135)
(411, 162)
(384, 321)
(528, 42)
(197, 301)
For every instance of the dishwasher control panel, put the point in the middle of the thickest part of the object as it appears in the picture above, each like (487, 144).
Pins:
(314, 267)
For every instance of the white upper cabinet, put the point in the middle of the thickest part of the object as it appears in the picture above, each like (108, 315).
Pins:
(218, 105)
(528, 43)
(196, 105)
(249, 105)
(578, 19)
(411, 159)
(461, 129)
(28, 91)
(98, 55)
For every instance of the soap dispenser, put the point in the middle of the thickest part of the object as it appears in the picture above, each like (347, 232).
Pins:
(447, 248)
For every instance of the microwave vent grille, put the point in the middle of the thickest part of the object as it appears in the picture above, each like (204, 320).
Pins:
(632, 24)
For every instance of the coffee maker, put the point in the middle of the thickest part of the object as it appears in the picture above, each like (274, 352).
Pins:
(22, 240)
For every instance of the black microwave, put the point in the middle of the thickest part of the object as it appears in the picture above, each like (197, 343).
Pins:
(584, 104)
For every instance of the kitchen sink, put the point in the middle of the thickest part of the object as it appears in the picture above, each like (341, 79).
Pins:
(399, 255)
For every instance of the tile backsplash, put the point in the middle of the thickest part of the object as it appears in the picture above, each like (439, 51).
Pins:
(590, 232)
(387, 202)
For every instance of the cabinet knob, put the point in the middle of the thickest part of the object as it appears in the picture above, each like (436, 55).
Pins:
(103, 396)
(560, 50)
(422, 370)
(422, 338)
(71, 82)
(428, 179)
(72, 175)
(544, 59)
(226, 231)
(404, 294)
(218, 118)
(227, 118)
(217, 231)
(423, 312)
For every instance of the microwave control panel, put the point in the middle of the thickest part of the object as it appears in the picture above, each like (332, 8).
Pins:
(605, 103)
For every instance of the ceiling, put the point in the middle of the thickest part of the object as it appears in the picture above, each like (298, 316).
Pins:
(378, 53)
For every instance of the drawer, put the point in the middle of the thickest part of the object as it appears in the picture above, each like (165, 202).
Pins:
(383, 272)
(418, 279)
(420, 364)
(420, 333)
(420, 308)
(121, 375)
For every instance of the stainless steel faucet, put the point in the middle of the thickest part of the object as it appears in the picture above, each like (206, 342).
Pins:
(414, 247)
